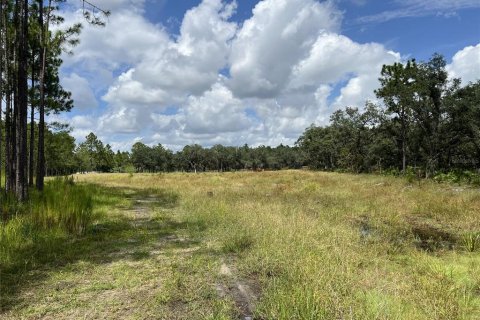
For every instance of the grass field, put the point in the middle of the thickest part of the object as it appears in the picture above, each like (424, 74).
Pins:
(266, 245)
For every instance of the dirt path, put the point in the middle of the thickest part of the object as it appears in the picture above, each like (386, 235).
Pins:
(238, 290)
(231, 287)
(142, 260)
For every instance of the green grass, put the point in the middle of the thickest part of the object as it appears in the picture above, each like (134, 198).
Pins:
(41, 231)
(62, 210)
(307, 245)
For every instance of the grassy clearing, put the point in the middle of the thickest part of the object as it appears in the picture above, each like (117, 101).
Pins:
(295, 244)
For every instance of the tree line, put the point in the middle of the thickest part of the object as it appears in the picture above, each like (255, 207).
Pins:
(64, 157)
(30, 85)
(94, 155)
(422, 122)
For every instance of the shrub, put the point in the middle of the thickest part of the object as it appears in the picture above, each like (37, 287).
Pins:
(458, 176)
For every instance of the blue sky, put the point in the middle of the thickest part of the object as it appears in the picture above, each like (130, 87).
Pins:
(257, 72)
(423, 33)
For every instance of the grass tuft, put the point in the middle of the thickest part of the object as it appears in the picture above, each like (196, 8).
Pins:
(237, 242)
(471, 241)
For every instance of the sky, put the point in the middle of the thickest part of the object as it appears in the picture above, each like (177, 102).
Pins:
(180, 72)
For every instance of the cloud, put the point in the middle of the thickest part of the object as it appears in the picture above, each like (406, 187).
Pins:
(169, 71)
(82, 94)
(262, 81)
(466, 64)
(332, 57)
(82, 122)
(273, 40)
(420, 8)
(215, 112)
(129, 91)
(127, 38)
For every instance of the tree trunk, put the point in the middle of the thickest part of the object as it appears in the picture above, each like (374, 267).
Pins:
(8, 144)
(9, 114)
(21, 119)
(404, 142)
(41, 121)
(13, 134)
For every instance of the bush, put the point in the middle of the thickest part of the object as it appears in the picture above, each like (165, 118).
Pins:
(458, 176)
(411, 174)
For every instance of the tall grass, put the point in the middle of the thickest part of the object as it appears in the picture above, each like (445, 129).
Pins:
(63, 204)
(61, 211)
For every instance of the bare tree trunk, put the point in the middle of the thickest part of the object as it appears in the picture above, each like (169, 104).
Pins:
(8, 138)
(13, 135)
(12, 124)
(404, 142)
(9, 115)
(22, 105)
(41, 121)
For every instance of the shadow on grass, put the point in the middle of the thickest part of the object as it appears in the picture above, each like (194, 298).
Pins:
(119, 234)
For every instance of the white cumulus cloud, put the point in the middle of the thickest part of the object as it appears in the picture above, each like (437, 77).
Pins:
(466, 64)
(260, 81)
(273, 40)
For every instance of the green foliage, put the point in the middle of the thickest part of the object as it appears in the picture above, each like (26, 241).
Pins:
(458, 176)
(145, 158)
(412, 174)
(9, 205)
(93, 155)
(59, 152)
(63, 204)
(130, 169)
(425, 122)
(196, 158)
